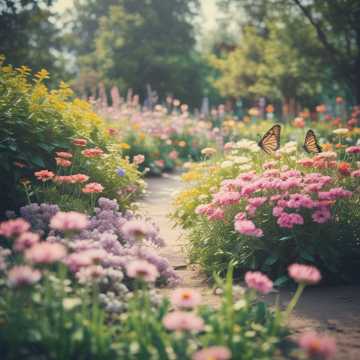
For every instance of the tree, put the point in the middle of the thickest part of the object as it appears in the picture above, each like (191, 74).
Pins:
(145, 42)
(28, 35)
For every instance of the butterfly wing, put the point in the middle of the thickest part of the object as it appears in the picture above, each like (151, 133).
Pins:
(270, 142)
(311, 144)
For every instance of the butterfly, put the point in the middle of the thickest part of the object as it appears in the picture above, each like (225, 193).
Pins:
(270, 142)
(311, 144)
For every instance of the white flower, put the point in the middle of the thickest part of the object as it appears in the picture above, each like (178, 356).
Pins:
(341, 131)
(227, 164)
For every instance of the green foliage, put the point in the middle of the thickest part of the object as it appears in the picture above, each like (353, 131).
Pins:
(139, 44)
(36, 122)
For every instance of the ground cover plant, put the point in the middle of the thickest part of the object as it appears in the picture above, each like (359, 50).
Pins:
(55, 292)
(264, 213)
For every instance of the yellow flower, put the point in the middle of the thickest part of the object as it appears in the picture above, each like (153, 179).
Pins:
(124, 146)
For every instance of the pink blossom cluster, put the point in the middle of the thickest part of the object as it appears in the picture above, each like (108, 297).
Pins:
(288, 193)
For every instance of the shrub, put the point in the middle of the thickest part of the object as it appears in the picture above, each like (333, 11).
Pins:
(264, 215)
(36, 122)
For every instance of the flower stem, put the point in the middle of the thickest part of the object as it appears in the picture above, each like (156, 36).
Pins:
(294, 301)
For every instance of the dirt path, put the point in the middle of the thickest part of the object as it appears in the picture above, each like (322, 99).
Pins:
(335, 310)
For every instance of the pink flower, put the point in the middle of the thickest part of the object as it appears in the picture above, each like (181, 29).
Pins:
(307, 162)
(185, 298)
(322, 215)
(159, 163)
(305, 274)
(141, 269)
(277, 211)
(217, 214)
(258, 281)
(79, 178)
(26, 240)
(69, 221)
(317, 346)
(136, 230)
(183, 321)
(23, 275)
(92, 188)
(227, 198)
(44, 175)
(247, 227)
(92, 153)
(78, 260)
(213, 353)
(353, 150)
(257, 201)
(80, 142)
(286, 220)
(240, 216)
(138, 159)
(14, 227)
(355, 173)
(64, 154)
(173, 155)
(90, 273)
(45, 253)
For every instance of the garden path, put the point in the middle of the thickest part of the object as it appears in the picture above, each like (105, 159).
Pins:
(335, 310)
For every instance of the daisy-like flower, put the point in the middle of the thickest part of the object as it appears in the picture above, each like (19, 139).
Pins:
(143, 270)
(44, 175)
(341, 131)
(258, 281)
(208, 151)
(69, 221)
(80, 142)
(183, 321)
(93, 188)
(136, 230)
(185, 298)
(45, 253)
(304, 274)
(317, 346)
(62, 162)
(23, 275)
(92, 153)
(213, 353)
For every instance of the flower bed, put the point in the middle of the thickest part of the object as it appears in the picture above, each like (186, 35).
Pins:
(264, 214)
(44, 129)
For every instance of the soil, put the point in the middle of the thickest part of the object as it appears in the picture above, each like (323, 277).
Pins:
(334, 310)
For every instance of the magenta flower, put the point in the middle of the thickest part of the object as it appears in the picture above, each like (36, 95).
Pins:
(69, 221)
(185, 298)
(213, 353)
(304, 274)
(286, 220)
(143, 270)
(13, 227)
(317, 346)
(353, 150)
(258, 281)
(45, 253)
(26, 240)
(23, 275)
(183, 321)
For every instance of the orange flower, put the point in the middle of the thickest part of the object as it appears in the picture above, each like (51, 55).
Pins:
(270, 108)
(44, 175)
(62, 162)
(93, 188)
(339, 146)
(339, 100)
(64, 154)
(344, 168)
(321, 108)
(80, 142)
(92, 153)
(327, 147)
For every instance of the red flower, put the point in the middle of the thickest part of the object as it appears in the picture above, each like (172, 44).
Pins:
(344, 168)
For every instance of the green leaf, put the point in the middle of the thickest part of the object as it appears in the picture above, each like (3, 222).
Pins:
(306, 256)
(280, 281)
(271, 260)
(285, 238)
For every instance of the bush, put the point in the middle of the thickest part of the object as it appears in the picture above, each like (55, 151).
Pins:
(36, 122)
(264, 215)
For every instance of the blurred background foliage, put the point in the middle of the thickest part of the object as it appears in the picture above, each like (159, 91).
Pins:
(288, 51)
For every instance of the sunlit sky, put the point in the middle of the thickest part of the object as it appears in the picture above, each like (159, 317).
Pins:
(209, 11)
